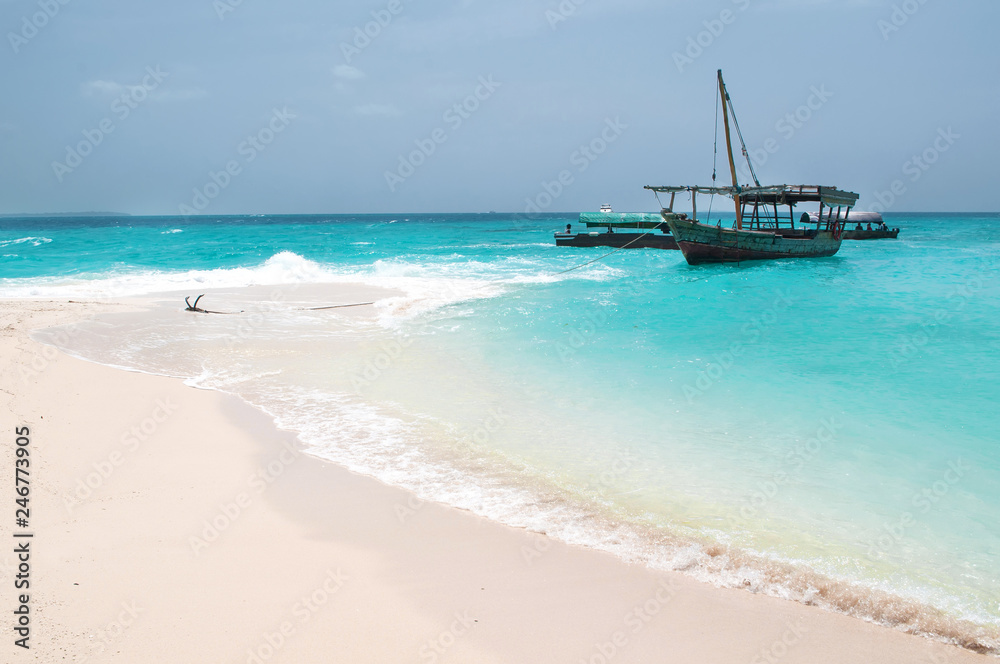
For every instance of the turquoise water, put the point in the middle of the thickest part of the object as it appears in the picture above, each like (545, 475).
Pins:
(821, 429)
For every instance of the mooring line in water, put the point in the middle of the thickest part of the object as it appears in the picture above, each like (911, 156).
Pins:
(198, 310)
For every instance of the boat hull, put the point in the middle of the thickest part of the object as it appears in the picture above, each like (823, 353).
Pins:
(618, 240)
(871, 235)
(701, 243)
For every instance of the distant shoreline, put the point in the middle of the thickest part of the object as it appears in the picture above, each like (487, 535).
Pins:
(548, 214)
(27, 215)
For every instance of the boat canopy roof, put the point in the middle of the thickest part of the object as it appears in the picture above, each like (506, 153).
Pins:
(782, 194)
(724, 191)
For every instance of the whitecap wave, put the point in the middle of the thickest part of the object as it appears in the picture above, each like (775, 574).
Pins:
(425, 287)
(282, 268)
(35, 241)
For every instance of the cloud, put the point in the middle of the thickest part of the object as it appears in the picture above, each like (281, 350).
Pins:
(382, 110)
(102, 88)
(348, 73)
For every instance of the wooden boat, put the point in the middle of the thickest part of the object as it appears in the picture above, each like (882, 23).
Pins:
(874, 234)
(763, 229)
(656, 236)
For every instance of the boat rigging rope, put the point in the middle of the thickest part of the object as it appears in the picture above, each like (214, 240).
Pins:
(739, 133)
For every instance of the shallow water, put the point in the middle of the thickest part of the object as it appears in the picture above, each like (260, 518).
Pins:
(820, 429)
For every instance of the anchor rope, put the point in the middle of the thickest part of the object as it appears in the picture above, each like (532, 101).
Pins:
(600, 258)
(198, 310)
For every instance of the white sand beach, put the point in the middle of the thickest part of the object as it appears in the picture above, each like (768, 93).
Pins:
(173, 524)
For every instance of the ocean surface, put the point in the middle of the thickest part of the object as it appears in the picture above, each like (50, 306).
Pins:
(824, 430)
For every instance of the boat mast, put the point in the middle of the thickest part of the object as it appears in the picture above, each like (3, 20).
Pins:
(729, 149)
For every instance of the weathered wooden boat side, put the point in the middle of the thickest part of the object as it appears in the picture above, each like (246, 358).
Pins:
(702, 243)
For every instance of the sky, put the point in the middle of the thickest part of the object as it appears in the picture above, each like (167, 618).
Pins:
(385, 106)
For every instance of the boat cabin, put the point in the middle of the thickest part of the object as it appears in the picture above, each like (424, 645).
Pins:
(772, 208)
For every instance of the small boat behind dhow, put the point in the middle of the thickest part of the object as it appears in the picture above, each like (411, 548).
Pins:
(862, 226)
(655, 234)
